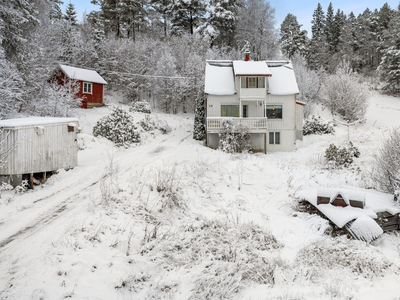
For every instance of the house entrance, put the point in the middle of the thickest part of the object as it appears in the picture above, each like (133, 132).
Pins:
(245, 111)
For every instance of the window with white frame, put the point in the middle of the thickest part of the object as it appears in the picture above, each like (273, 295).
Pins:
(252, 82)
(274, 138)
(230, 111)
(87, 87)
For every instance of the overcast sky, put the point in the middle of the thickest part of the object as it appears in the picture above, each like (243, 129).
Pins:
(303, 9)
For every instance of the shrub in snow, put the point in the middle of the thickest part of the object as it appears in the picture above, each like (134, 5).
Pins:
(386, 170)
(199, 130)
(317, 125)
(345, 95)
(5, 187)
(147, 123)
(341, 254)
(141, 107)
(341, 156)
(163, 126)
(118, 127)
(233, 139)
(22, 188)
(236, 255)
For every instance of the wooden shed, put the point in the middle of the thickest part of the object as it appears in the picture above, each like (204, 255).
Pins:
(37, 145)
(90, 83)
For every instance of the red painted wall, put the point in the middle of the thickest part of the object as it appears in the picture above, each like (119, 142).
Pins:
(97, 89)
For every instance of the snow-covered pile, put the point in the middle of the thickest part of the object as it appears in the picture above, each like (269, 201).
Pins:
(366, 229)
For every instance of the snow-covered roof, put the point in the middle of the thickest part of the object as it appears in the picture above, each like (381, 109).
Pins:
(251, 68)
(365, 229)
(283, 81)
(82, 74)
(32, 121)
(375, 202)
(219, 79)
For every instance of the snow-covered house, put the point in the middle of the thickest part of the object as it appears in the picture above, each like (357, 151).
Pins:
(259, 95)
(34, 146)
(90, 84)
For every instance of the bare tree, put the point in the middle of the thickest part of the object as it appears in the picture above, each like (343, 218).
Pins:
(345, 96)
(386, 171)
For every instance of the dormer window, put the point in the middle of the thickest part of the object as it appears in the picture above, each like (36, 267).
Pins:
(252, 82)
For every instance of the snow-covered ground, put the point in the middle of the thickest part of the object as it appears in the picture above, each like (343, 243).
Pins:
(172, 219)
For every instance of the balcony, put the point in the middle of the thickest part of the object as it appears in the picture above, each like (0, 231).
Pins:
(214, 124)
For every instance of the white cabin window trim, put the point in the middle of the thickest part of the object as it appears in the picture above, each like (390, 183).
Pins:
(87, 88)
(274, 138)
(230, 110)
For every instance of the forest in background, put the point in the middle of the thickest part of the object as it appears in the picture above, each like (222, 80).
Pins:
(160, 47)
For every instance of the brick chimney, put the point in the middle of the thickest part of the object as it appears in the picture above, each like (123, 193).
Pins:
(246, 49)
(247, 56)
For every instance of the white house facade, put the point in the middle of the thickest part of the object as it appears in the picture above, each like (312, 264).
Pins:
(259, 95)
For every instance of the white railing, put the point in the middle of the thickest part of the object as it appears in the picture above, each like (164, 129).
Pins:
(215, 123)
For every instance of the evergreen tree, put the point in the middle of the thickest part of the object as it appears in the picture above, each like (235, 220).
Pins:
(70, 14)
(199, 131)
(132, 15)
(330, 28)
(222, 22)
(389, 67)
(55, 11)
(187, 15)
(317, 53)
(164, 9)
(293, 39)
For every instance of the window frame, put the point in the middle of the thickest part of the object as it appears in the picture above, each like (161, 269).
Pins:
(87, 84)
(259, 82)
(238, 110)
(274, 138)
(272, 118)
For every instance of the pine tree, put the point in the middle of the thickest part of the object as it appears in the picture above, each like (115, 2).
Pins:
(55, 12)
(330, 28)
(389, 67)
(70, 14)
(187, 15)
(317, 53)
(199, 131)
(163, 8)
(293, 39)
(222, 22)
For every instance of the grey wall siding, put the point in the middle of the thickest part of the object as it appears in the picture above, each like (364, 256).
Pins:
(55, 148)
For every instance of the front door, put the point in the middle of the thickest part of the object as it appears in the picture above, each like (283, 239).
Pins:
(245, 111)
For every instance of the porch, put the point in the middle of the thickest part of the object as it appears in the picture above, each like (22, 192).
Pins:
(254, 124)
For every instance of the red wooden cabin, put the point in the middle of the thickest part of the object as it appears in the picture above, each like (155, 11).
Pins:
(90, 83)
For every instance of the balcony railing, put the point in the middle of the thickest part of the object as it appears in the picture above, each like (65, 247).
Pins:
(214, 124)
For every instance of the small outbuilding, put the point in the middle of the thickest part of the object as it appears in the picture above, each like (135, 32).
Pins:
(90, 84)
(34, 146)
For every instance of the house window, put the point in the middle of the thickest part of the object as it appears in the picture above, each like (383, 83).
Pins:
(230, 111)
(87, 87)
(252, 82)
(273, 111)
(275, 138)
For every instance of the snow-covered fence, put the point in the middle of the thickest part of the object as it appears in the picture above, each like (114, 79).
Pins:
(252, 124)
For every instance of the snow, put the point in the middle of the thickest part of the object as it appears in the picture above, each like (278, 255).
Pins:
(219, 80)
(252, 68)
(82, 74)
(366, 229)
(32, 121)
(283, 81)
(65, 239)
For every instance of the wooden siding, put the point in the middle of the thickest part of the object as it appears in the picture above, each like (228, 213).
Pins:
(55, 149)
(299, 116)
(214, 104)
(323, 200)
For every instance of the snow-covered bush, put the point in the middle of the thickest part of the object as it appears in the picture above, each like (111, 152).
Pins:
(233, 139)
(22, 188)
(141, 107)
(345, 95)
(236, 254)
(386, 170)
(147, 123)
(341, 156)
(317, 125)
(118, 127)
(163, 126)
(341, 254)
